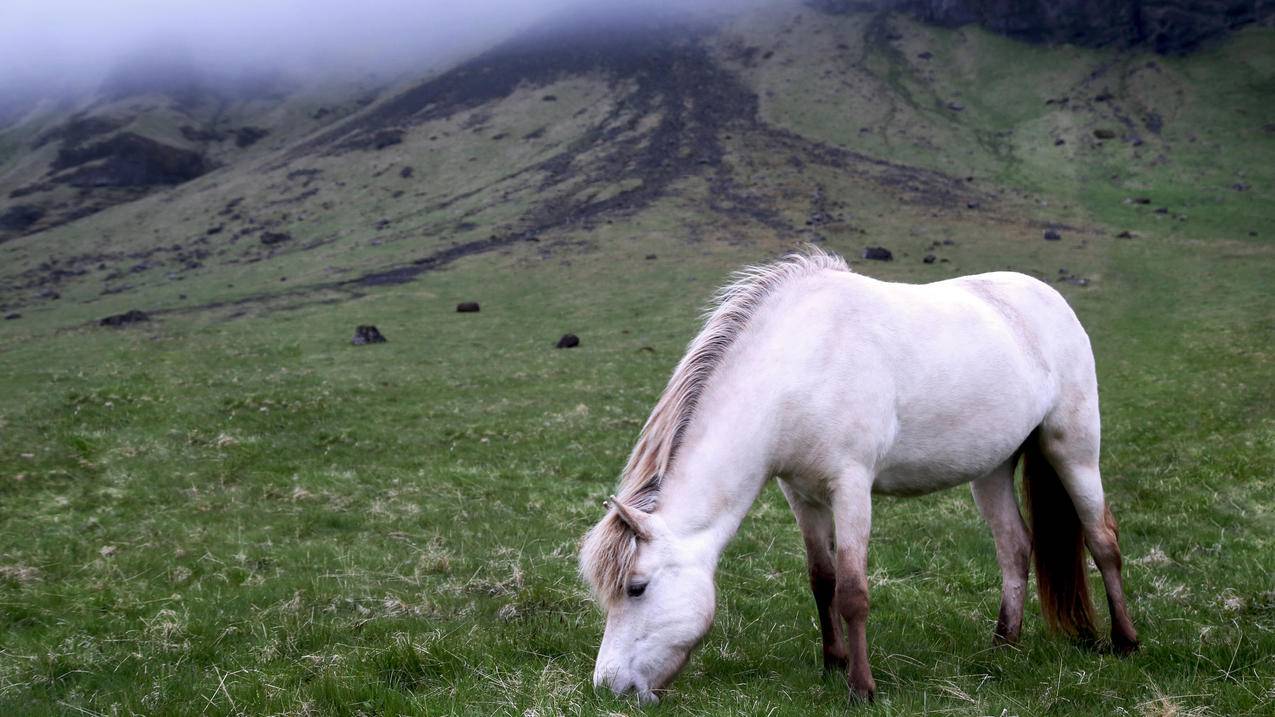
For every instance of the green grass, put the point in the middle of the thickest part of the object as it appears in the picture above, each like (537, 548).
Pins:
(218, 514)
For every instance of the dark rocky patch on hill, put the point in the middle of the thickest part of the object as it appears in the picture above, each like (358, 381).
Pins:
(78, 130)
(127, 160)
(1170, 27)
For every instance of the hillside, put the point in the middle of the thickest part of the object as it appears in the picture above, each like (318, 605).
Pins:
(226, 508)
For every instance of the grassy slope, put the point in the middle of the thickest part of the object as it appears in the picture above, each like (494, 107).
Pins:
(252, 516)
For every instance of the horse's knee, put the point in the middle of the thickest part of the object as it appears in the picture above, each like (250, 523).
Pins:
(851, 599)
(823, 583)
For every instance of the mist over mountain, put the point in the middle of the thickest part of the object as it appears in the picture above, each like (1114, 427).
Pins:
(73, 45)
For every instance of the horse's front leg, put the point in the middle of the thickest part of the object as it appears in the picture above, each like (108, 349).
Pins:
(815, 521)
(994, 495)
(852, 515)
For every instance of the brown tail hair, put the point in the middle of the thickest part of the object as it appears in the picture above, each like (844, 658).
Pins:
(1058, 546)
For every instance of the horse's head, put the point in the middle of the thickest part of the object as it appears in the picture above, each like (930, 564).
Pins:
(658, 597)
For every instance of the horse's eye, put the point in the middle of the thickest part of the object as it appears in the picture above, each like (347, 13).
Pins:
(636, 589)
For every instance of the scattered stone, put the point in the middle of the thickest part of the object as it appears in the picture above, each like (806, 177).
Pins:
(272, 238)
(1059, 142)
(406, 172)
(367, 334)
(467, 307)
(1126, 234)
(381, 224)
(1136, 141)
(949, 242)
(1104, 134)
(971, 205)
(878, 253)
(651, 257)
(1161, 210)
(1240, 186)
(925, 55)
(215, 230)
(11, 317)
(1104, 96)
(129, 317)
(568, 341)
(1137, 200)
(956, 106)
(929, 258)
(1077, 281)
(1052, 235)
(550, 98)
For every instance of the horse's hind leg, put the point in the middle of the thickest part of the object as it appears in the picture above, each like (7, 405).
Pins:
(815, 521)
(994, 495)
(1073, 453)
(852, 516)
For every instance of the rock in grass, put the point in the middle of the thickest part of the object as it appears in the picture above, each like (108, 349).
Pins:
(929, 258)
(1052, 235)
(1104, 134)
(878, 253)
(129, 317)
(367, 334)
(1126, 234)
(568, 341)
(467, 307)
(11, 317)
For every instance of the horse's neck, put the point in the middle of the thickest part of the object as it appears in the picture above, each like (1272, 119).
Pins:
(720, 468)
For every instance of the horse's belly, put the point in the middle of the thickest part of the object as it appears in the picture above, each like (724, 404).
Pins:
(923, 463)
(923, 478)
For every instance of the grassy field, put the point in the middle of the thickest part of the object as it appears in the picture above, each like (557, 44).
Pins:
(231, 510)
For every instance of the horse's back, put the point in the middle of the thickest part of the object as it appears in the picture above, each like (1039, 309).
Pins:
(938, 382)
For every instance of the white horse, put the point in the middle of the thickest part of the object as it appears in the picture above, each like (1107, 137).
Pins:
(844, 386)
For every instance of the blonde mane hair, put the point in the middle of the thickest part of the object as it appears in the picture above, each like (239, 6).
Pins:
(607, 552)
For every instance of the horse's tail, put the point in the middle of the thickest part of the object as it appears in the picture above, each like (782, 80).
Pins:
(1058, 546)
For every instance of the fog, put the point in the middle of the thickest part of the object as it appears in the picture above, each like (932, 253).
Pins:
(51, 47)
(62, 47)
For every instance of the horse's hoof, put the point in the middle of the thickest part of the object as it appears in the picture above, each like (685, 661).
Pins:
(999, 640)
(1123, 647)
(862, 695)
(863, 689)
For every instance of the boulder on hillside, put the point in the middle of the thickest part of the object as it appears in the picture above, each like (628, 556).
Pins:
(129, 317)
(878, 253)
(568, 341)
(467, 307)
(367, 334)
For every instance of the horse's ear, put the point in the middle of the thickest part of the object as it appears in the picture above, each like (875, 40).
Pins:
(637, 521)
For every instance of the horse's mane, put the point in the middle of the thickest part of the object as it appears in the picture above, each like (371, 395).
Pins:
(607, 553)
